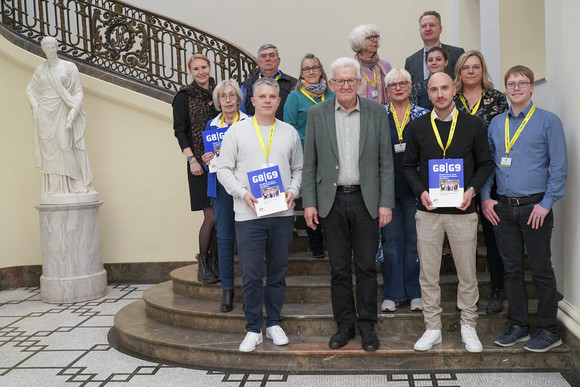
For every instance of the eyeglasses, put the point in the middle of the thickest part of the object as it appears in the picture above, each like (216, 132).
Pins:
(310, 69)
(225, 97)
(394, 85)
(521, 84)
(373, 37)
(341, 82)
(474, 68)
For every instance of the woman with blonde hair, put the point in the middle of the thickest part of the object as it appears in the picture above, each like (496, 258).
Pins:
(476, 96)
(192, 108)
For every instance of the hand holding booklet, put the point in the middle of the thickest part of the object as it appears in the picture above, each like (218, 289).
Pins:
(212, 141)
(266, 186)
(446, 184)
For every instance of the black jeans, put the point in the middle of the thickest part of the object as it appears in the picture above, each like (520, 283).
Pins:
(512, 234)
(350, 230)
(494, 262)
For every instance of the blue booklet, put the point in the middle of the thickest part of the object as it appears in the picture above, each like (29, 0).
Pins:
(446, 182)
(266, 186)
(212, 142)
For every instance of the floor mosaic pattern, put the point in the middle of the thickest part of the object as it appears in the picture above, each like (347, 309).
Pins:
(74, 345)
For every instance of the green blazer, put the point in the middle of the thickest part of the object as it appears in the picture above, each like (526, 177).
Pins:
(320, 171)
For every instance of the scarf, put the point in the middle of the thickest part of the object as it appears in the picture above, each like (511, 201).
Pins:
(316, 90)
(201, 110)
(380, 71)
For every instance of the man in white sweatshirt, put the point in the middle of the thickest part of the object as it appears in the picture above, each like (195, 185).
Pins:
(253, 145)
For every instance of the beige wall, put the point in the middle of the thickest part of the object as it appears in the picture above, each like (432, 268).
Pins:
(559, 94)
(523, 38)
(138, 171)
(291, 25)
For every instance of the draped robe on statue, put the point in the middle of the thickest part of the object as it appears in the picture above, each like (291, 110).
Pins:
(61, 154)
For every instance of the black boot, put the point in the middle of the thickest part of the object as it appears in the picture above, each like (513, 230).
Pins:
(214, 265)
(204, 273)
(228, 300)
(495, 304)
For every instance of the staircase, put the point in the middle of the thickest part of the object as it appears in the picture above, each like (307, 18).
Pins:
(180, 320)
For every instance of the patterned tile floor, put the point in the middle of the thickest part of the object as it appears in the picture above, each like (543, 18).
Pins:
(73, 345)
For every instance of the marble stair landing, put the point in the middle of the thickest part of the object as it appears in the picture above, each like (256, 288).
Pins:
(180, 320)
(210, 348)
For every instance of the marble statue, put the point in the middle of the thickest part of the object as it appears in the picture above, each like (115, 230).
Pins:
(56, 97)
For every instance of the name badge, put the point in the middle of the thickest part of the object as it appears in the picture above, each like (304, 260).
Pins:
(506, 162)
(375, 93)
(400, 147)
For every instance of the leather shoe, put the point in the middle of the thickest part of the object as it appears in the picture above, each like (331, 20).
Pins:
(370, 341)
(495, 304)
(341, 338)
(228, 300)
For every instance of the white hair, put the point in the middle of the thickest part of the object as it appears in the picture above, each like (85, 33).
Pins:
(345, 62)
(359, 34)
(395, 73)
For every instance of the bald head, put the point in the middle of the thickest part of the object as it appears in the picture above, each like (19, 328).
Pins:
(441, 92)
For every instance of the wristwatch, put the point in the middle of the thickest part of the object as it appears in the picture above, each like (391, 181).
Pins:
(472, 189)
(189, 158)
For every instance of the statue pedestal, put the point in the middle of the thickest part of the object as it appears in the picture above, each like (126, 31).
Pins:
(72, 266)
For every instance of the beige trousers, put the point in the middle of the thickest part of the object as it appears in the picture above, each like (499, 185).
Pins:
(461, 231)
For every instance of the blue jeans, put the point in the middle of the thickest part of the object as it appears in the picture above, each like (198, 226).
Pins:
(272, 238)
(223, 208)
(401, 265)
(512, 234)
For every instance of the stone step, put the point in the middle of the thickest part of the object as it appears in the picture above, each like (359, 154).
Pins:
(209, 348)
(310, 318)
(313, 287)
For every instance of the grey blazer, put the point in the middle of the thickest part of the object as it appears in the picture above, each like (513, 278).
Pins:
(321, 165)
(414, 63)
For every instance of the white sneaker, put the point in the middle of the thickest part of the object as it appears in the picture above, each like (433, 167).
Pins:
(389, 306)
(416, 304)
(277, 334)
(250, 341)
(429, 338)
(470, 339)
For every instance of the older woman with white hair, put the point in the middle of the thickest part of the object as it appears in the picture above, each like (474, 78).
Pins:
(400, 267)
(227, 97)
(364, 41)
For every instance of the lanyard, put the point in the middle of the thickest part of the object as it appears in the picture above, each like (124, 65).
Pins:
(451, 132)
(310, 97)
(235, 119)
(472, 112)
(400, 126)
(277, 75)
(266, 151)
(509, 143)
(374, 82)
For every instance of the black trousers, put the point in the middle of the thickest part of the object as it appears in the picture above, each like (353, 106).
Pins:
(512, 233)
(351, 231)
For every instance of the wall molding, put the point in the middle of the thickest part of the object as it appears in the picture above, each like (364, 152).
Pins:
(569, 315)
(131, 272)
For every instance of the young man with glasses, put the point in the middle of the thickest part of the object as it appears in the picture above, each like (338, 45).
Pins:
(348, 189)
(430, 29)
(529, 150)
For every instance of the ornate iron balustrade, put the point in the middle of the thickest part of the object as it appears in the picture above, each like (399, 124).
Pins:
(126, 40)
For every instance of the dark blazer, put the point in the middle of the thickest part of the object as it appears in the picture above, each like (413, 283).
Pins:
(414, 63)
(321, 165)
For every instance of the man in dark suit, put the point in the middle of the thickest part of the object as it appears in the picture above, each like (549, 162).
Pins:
(348, 183)
(430, 30)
